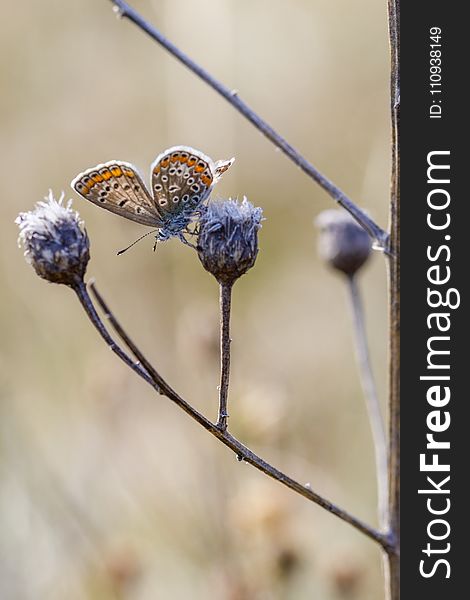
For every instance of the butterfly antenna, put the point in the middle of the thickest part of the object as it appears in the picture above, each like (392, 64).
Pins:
(137, 240)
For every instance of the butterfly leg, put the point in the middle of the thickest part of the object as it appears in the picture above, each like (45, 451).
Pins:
(185, 241)
(194, 231)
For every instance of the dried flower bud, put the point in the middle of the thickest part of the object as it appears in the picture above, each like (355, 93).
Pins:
(54, 240)
(228, 238)
(343, 243)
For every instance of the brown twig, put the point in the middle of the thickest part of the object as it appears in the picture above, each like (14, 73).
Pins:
(80, 289)
(376, 232)
(393, 558)
(225, 341)
(242, 452)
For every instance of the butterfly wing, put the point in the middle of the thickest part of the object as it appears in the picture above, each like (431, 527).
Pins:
(118, 187)
(221, 166)
(182, 178)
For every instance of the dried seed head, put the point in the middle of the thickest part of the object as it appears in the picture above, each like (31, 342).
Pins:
(54, 240)
(228, 238)
(343, 243)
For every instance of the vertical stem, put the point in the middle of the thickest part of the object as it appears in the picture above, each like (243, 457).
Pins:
(393, 561)
(225, 305)
(372, 401)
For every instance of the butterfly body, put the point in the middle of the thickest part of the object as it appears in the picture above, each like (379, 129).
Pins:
(181, 179)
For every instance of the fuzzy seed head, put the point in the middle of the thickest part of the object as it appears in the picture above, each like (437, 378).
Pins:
(228, 238)
(342, 243)
(55, 241)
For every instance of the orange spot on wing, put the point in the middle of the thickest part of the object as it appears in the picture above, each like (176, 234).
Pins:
(89, 183)
(116, 171)
(206, 180)
(157, 170)
(128, 172)
(199, 169)
(165, 163)
(183, 159)
(175, 158)
(106, 174)
(191, 161)
(97, 178)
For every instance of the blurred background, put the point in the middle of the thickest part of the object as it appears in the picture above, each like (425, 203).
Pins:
(108, 491)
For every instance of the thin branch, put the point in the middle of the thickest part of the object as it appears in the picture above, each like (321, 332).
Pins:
(376, 232)
(161, 385)
(225, 341)
(242, 452)
(394, 274)
(80, 289)
(372, 400)
(393, 562)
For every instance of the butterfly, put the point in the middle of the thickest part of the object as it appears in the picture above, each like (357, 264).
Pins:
(181, 179)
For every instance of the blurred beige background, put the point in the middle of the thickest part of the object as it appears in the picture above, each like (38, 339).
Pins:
(106, 490)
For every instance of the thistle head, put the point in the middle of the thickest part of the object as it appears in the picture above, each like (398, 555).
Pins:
(55, 241)
(342, 243)
(228, 238)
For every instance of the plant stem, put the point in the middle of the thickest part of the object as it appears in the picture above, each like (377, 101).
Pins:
(82, 293)
(372, 400)
(376, 232)
(393, 554)
(242, 452)
(225, 341)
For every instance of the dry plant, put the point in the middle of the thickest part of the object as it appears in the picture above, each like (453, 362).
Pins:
(57, 246)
